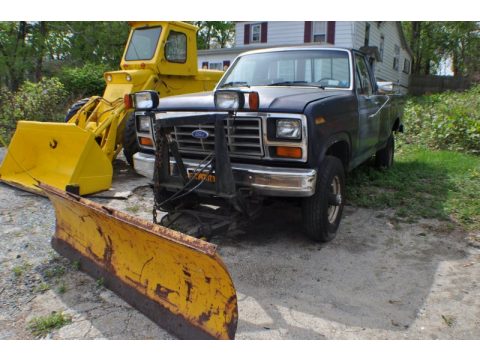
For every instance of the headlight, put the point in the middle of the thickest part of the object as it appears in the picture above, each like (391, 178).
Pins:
(144, 123)
(289, 129)
(229, 100)
(146, 100)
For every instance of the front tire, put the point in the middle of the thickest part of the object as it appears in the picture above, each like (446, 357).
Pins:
(74, 108)
(323, 210)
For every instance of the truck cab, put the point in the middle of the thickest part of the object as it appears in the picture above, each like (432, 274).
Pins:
(295, 121)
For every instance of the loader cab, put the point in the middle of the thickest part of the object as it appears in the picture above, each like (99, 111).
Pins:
(166, 48)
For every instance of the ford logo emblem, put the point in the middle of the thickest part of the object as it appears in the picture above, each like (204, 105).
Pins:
(200, 134)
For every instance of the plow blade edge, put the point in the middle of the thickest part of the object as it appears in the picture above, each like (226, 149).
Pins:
(176, 280)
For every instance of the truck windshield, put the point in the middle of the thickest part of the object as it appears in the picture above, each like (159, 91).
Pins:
(143, 44)
(322, 68)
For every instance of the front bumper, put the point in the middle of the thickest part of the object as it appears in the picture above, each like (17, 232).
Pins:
(265, 180)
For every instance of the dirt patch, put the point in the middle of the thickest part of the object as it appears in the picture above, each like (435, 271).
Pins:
(379, 279)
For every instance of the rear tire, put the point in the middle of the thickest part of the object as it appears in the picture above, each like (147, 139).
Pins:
(74, 108)
(130, 143)
(323, 210)
(384, 157)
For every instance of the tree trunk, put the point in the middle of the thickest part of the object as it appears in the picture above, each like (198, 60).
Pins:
(40, 50)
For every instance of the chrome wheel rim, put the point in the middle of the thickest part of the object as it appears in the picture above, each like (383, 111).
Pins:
(335, 192)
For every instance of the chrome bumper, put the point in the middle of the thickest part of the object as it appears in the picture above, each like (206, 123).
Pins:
(269, 181)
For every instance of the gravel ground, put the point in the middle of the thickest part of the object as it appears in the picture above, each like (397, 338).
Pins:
(379, 279)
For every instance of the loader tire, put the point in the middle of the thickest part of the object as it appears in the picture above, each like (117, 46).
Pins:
(322, 211)
(75, 107)
(130, 143)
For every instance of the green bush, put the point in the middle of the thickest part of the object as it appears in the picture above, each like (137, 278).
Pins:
(42, 101)
(449, 121)
(83, 81)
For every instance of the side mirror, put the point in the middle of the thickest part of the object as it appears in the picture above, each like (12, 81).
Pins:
(385, 87)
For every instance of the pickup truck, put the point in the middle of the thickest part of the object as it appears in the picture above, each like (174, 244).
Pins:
(295, 120)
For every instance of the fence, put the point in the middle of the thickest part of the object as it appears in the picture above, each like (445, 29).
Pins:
(423, 84)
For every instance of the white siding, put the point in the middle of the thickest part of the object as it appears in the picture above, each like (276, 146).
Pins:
(278, 33)
(343, 34)
(384, 69)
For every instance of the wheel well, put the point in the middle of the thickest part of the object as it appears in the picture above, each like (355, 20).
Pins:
(340, 149)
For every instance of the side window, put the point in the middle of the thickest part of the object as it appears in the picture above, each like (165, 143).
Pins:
(364, 86)
(176, 47)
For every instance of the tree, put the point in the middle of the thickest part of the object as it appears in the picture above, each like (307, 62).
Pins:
(214, 34)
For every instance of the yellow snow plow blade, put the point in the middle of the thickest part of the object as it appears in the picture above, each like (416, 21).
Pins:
(59, 154)
(176, 280)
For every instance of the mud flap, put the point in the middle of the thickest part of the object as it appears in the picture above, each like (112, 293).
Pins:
(178, 281)
(58, 154)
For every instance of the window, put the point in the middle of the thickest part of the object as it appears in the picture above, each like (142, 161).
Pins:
(367, 34)
(364, 85)
(256, 33)
(406, 66)
(329, 68)
(381, 46)
(176, 47)
(143, 44)
(396, 58)
(319, 31)
(215, 66)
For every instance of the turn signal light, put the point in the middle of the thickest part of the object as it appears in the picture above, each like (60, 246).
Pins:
(289, 152)
(145, 141)
(253, 100)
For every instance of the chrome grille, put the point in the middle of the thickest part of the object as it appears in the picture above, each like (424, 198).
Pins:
(243, 134)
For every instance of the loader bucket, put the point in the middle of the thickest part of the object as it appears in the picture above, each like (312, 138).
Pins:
(58, 154)
(176, 280)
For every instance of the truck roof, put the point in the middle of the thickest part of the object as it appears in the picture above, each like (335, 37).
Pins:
(292, 48)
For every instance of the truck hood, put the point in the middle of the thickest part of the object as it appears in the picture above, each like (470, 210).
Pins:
(275, 99)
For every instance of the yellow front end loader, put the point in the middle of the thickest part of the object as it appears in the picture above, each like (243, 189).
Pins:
(178, 281)
(77, 155)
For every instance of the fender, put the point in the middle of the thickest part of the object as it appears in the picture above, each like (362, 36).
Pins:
(331, 141)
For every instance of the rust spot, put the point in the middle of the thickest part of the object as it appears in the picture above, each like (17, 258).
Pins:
(189, 290)
(107, 254)
(187, 273)
(207, 279)
(163, 292)
(204, 317)
(99, 229)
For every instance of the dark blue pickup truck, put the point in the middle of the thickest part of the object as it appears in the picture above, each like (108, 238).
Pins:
(282, 122)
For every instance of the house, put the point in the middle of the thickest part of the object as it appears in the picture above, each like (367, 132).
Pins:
(382, 40)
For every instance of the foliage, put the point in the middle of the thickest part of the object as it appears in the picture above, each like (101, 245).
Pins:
(435, 41)
(42, 325)
(83, 81)
(214, 34)
(445, 121)
(42, 101)
(31, 50)
(423, 183)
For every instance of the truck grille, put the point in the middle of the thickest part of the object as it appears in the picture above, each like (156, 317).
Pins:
(243, 134)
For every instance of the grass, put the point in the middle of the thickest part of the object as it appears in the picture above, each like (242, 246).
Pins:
(423, 183)
(19, 270)
(42, 287)
(42, 325)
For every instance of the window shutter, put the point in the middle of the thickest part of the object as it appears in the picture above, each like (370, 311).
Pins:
(246, 34)
(331, 32)
(226, 62)
(264, 32)
(205, 64)
(308, 32)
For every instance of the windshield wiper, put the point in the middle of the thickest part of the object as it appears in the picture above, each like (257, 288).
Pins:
(290, 83)
(235, 83)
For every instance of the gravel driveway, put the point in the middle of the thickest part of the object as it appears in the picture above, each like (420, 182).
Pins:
(379, 279)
